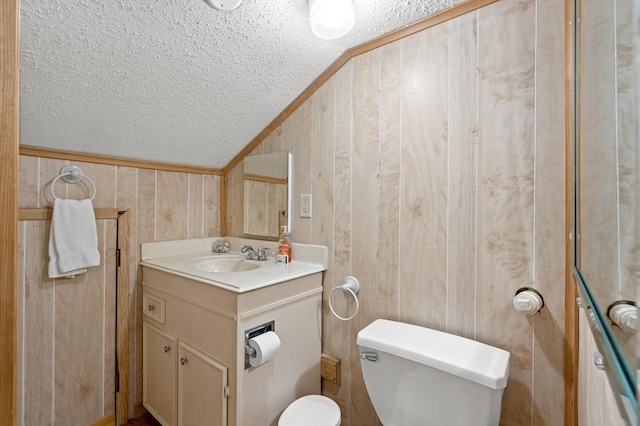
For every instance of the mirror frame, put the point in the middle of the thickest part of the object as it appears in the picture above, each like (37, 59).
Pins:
(620, 373)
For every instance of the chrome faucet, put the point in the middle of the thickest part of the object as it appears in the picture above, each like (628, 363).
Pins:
(255, 254)
(221, 246)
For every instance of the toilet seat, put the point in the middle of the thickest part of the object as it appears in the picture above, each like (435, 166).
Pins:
(311, 410)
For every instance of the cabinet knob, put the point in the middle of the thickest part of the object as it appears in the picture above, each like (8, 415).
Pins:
(167, 348)
(151, 307)
(183, 361)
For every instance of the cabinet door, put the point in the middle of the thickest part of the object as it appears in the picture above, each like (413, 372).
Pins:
(201, 389)
(159, 365)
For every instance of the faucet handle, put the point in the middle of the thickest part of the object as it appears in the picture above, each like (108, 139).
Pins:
(250, 252)
(221, 246)
(262, 253)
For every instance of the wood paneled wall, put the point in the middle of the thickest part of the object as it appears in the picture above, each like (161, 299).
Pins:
(267, 201)
(608, 181)
(437, 168)
(163, 205)
(67, 347)
(596, 402)
(608, 169)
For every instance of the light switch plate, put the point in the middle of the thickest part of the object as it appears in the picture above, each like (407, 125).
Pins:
(305, 205)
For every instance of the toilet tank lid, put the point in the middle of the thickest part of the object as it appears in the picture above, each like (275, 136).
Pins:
(465, 358)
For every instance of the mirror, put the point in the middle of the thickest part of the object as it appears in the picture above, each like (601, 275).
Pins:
(606, 181)
(267, 194)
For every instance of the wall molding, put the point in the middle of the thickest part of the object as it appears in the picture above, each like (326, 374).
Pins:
(47, 213)
(61, 154)
(107, 420)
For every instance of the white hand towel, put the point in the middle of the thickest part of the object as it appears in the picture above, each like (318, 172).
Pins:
(73, 240)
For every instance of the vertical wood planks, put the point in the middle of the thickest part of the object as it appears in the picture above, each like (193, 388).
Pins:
(388, 148)
(341, 334)
(28, 182)
(628, 167)
(435, 147)
(79, 343)
(596, 403)
(296, 138)
(550, 205)
(109, 267)
(127, 199)
(124, 340)
(20, 320)
(172, 206)
(462, 158)
(423, 192)
(505, 190)
(195, 185)
(235, 197)
(103, 177)
(49, 170)
(389, 172)
(323, 108)
(146, 232)
(598, 191)
(38, 328)
(89, 300)
(211, 208)
(256, 194)
(364, 209)
(627, 125)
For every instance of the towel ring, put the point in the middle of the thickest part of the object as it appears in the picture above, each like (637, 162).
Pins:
(351, 286)
(72, 174)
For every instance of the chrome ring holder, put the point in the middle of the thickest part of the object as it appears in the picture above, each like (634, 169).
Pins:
(72, 174)
(351, 286)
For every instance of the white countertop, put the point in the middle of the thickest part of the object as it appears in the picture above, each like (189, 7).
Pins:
(174, 257)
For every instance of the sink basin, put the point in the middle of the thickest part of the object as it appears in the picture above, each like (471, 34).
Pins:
(223, 263)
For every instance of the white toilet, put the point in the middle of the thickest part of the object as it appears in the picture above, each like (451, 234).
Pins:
(416, 376)
(311, 410)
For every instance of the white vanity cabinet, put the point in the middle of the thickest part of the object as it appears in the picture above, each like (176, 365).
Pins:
(202, 388)
(159, 372)
(181, 385)
(194, 349)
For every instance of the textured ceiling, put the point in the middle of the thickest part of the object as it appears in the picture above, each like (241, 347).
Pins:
(175, 80)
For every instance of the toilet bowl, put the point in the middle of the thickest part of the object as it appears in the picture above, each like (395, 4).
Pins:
(311, 410)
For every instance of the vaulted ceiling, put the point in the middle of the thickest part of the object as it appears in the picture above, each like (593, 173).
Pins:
(176, 80)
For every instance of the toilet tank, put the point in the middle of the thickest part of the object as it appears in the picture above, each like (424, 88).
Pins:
(419, 376)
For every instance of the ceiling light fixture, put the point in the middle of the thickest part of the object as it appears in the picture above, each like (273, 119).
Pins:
(224, 5)
(331, 19)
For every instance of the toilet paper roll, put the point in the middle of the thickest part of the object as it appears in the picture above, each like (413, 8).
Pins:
(266, 345)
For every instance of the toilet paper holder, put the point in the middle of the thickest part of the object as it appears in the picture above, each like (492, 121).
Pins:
(528, 301)
(250, 334)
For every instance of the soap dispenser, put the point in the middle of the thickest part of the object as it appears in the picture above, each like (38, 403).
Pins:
(284, 246)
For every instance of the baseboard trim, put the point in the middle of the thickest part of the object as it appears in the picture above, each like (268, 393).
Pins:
(108, 420)
(139, 410)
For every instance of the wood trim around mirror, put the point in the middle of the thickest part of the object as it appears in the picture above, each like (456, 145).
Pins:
(570, 307)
